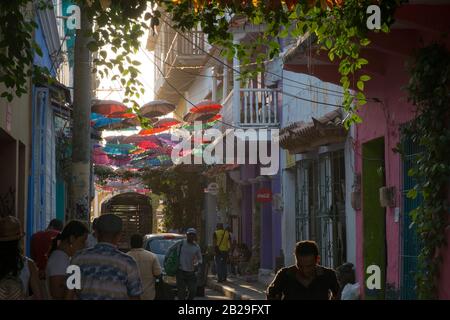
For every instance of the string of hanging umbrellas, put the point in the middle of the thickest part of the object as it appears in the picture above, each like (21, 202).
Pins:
(151, 147)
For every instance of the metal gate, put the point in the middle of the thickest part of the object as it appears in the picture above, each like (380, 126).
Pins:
(410, 241)
(320, 205)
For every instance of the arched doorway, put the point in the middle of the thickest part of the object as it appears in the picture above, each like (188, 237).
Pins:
(135, 210)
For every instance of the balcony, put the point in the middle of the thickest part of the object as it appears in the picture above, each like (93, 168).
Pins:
(257, 108)
(180, 64)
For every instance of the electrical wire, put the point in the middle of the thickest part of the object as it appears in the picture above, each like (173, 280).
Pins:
(237, 71)
(268, 72)
(180, 94)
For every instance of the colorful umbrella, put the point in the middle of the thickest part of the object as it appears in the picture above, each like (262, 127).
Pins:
(157, 108)
(107, 107)
(96, 116)
(122, 115)
(115, 139)
(103, 123)
(202, 116)
(118, 149)
(135, 138)
(166, 123)
(148, 145)
(151, 131)
(206, 106)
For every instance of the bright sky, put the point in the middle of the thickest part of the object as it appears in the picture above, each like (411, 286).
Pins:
(112, 90)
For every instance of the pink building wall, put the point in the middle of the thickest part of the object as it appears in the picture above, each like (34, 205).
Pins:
(417, 25)
(384, 120)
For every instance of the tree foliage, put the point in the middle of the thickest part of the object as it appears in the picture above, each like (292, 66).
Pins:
(428, 90)
(183, 193)
(339, 28)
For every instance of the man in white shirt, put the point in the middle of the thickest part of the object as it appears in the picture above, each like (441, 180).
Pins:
(148, 266)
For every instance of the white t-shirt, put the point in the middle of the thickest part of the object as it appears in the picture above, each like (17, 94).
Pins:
(57, 263)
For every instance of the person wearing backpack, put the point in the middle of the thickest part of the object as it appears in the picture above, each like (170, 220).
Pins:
(222, 244)
(186, 256)
(17, 273)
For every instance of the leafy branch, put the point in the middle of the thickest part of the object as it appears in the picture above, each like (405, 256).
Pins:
(428, 90)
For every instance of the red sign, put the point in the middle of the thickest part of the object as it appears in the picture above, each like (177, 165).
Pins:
(264, 195)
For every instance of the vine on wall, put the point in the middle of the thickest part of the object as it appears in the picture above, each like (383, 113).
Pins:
(428, 90)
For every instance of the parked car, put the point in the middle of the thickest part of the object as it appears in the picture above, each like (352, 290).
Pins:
(159, 244)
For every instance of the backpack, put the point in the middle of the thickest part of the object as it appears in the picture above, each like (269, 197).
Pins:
(172, 259)
(11, 288)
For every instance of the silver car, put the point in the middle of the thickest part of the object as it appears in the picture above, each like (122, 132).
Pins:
(159, 243)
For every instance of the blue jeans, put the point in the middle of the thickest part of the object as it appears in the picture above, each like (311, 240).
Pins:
(221, 265)
(186, 280)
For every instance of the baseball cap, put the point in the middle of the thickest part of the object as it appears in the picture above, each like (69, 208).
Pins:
(109, 223)
(10, 229)
(191, 231)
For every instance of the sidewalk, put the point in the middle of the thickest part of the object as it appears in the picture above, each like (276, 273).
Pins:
(237, 288)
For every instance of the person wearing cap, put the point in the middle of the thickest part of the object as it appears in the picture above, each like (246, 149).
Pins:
(106, 272)
(17, 272)
(190, 258)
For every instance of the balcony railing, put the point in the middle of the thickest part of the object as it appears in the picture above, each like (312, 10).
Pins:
(185, 50)
(259, 107)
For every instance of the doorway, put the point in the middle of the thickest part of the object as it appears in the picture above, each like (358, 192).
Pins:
(374, 218)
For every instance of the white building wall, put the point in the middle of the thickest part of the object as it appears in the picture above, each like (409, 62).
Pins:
(294, 110)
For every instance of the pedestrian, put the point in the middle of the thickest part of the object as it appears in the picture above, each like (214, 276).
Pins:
(71, 240)
(148, 265)
(106, 272)
(17, 272)
(92, 237)
(306, 280)
(222, 243)
(190, 258)
(347, 282)
(41, 243)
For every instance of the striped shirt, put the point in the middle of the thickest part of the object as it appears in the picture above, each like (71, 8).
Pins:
(107, 274)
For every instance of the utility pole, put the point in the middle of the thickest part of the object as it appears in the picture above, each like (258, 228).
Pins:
(79, 196)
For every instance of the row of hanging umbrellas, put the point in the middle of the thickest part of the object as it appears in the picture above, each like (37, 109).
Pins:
(151, 147)
(114, 115)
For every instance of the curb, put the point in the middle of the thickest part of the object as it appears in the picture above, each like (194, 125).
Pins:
(227, 291)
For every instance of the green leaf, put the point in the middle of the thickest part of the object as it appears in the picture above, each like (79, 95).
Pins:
(284, 33)
(412, 194)
(331, 56)
(365, 42)
(328, 43)
(360, 85)
(365, 77)
(362, 61)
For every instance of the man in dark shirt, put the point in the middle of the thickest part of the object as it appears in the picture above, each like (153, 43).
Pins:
(306, 280)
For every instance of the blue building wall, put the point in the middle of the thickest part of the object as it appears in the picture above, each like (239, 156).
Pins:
(36, 223)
